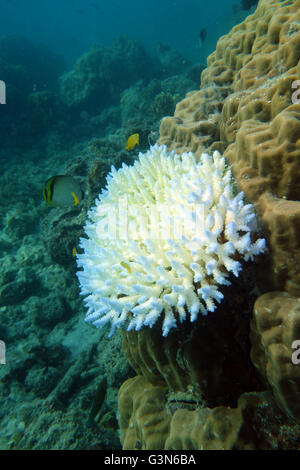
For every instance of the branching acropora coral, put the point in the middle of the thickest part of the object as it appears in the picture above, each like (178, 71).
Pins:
(163, 237)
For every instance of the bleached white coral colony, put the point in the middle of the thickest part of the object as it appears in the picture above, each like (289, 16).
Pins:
(163, 238)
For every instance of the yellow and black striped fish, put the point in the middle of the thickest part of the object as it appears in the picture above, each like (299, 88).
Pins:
(62, 191)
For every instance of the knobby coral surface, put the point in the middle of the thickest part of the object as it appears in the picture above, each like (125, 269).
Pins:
(247, 106)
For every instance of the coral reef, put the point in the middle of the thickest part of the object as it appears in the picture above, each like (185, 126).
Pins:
(245, 109)
(51, 376)
(225, 381)
(50, 387)
(45, 109)
(185, 360)
(98, 77)
(143, 105)
(171, 61)
(151, 419)
(161, 94)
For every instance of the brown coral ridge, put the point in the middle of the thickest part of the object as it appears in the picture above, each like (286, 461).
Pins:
(149, 422)
(244, 108)
(274, 328)
(209, 358)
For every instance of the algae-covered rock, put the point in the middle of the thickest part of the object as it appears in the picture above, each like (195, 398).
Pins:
(48, 312)
(171, 61)
(19, 289)
(100, 75)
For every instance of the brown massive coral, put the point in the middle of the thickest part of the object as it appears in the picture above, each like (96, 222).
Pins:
(246, 108)
(149, 422)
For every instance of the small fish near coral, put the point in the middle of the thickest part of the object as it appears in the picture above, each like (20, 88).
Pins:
(132, 141)
(202, 36)
(62, 191)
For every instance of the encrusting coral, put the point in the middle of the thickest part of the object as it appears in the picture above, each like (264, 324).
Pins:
(163, 237)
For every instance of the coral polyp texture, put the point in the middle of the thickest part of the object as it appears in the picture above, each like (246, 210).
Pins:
(163, 238)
